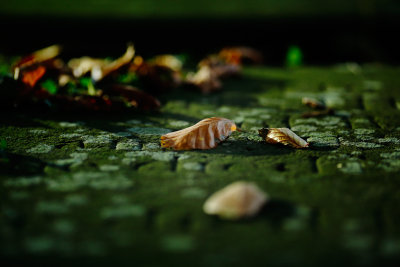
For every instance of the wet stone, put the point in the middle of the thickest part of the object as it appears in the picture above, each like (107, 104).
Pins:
(40, 149)
(304, 128)
(390, 165)
(63, 226)
(122, 134)
(372, 85)
(151, 146)
(179, 124)
(95, 180)
(122, 211)
(39, 244)
(70, 135)
(129, 144)
(152, 131)
(177, 243)
(23, 181)
(366, 145)
(328, 141)
(97, 141)
(193, 192)
(157, 155)
(109, 168)
(193, 166)
(51, 207)
(38, 131)
(350, 167)
(389, 140)
(364, 131)
(75, 200)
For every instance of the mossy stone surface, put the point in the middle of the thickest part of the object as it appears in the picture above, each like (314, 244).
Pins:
(100, 189)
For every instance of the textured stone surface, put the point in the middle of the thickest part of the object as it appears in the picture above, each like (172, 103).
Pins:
(76, 186)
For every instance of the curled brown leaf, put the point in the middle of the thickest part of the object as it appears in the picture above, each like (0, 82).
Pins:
(205, 134)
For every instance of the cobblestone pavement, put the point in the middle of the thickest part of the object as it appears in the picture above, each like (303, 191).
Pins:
(99, 189)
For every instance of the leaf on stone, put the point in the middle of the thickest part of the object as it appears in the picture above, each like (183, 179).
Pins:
(136, 97)
(282, 135)
(205, 134)
(237, 200)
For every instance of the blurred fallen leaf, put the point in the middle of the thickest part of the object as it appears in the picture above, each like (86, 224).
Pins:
(36, 57)
(32, 76)
(169, 61)
(282, 135)
(237, 200)
(313, 103)
(136, 97)
(240, 55)
(204, 79)
(100, 68)
(205, 134)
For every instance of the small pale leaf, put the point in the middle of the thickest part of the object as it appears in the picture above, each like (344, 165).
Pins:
(237, 200)
(282, 135)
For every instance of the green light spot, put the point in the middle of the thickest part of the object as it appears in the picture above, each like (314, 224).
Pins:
(294, 57)
(50, 86)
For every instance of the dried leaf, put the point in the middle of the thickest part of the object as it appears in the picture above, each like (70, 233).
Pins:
(237, 200)
(205, 79)
(282, 135)
(98, 73)
(169, 61)
(32, 76)
(136, 97)
(205, 134)
(313, 103)
(100, 68)
(36, 57)
(237, 55)
(83, 65)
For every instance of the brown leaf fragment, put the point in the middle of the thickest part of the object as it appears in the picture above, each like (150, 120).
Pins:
(237, 200)
(32, 76)
(239, 55)
(205, 134)
(136, 97)
(36, 57)
(313, 103)
(282, 135)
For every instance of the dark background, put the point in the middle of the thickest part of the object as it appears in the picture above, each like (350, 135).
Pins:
(327, 31)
